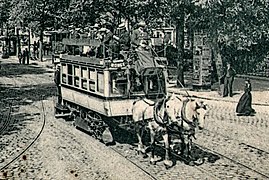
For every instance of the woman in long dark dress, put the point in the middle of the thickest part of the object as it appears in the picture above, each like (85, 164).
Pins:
(244, 105)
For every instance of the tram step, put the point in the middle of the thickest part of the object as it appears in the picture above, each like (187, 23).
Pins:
(61, 108)
(62, 115)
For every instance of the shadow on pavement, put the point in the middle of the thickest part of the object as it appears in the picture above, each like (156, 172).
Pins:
(15, 123)
(13, 69)
(12, 121)
(26, 95)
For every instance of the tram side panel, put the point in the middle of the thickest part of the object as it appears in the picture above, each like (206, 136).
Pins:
(105, 106)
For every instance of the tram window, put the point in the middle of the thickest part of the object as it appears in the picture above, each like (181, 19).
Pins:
(155, 84)
(70, 79)
(83, 72)
(92, 86)
(69, 69)
(92, 74)
(64, 69)
(76, 81)
(76, 71)
(119, 83)
(84, 84)
(100, 82)
(64, 78)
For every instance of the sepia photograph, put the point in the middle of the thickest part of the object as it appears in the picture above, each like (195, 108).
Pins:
(134, 89)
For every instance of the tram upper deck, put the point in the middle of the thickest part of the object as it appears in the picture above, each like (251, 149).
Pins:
(107, 78)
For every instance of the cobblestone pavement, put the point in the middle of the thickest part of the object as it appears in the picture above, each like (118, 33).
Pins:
(63, 152)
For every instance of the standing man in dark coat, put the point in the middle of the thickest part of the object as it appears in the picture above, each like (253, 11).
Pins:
(27, 55)
(23, 56)
(141, 42)
(228, 81)
(35, 50)
(57, 80)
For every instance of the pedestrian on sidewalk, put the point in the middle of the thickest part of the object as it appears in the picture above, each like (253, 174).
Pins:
(20, 57)
(244, 105)
(23, 56)
(228, 80)
(35, 50)
(57, 80)
(27, 55)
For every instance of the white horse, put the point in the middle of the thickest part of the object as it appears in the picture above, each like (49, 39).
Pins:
(157, 117)
(193, 113)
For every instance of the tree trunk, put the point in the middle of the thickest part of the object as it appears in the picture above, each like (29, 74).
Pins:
(180, 50)
(29, 42)
(18, 41)
(41, 45)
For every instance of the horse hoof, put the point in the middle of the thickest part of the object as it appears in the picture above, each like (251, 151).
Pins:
(191, 163)
(143, 151)
(199, 161)
(152, 162)
(144, 155)
(168, 164)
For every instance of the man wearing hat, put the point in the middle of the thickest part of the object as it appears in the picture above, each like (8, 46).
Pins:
(105, 36)
(228, 80)
(139, 38)
(140, 42)
(124, 38)
(57, 80)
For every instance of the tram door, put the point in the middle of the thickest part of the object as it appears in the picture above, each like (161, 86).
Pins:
(202, 56)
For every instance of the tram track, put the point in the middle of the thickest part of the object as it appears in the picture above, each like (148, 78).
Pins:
(206, 169)
(239, 142)
(31, 143)
(240, 153)
(9, 121)
(232, 160)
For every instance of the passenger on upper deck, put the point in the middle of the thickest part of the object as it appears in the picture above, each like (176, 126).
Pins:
(140, 38)
(140, 42)
(124, 38)
(109, 41)
(93, 31)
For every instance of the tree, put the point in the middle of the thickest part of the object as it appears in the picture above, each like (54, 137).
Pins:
(239, 30)
(38, 15)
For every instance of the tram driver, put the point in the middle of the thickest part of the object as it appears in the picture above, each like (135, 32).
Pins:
(141, 45)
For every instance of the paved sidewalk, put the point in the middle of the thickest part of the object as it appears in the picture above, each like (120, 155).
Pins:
(258, 97)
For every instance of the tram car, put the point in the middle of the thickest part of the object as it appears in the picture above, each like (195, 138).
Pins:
(98, 92)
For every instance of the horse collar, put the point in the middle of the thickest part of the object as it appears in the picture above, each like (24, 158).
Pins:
(183, 113)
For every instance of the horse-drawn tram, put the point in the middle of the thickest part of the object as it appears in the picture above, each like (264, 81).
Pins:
(99, 91)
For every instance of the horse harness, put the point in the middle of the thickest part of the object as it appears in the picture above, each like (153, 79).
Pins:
(162, 121)
(192, 124)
